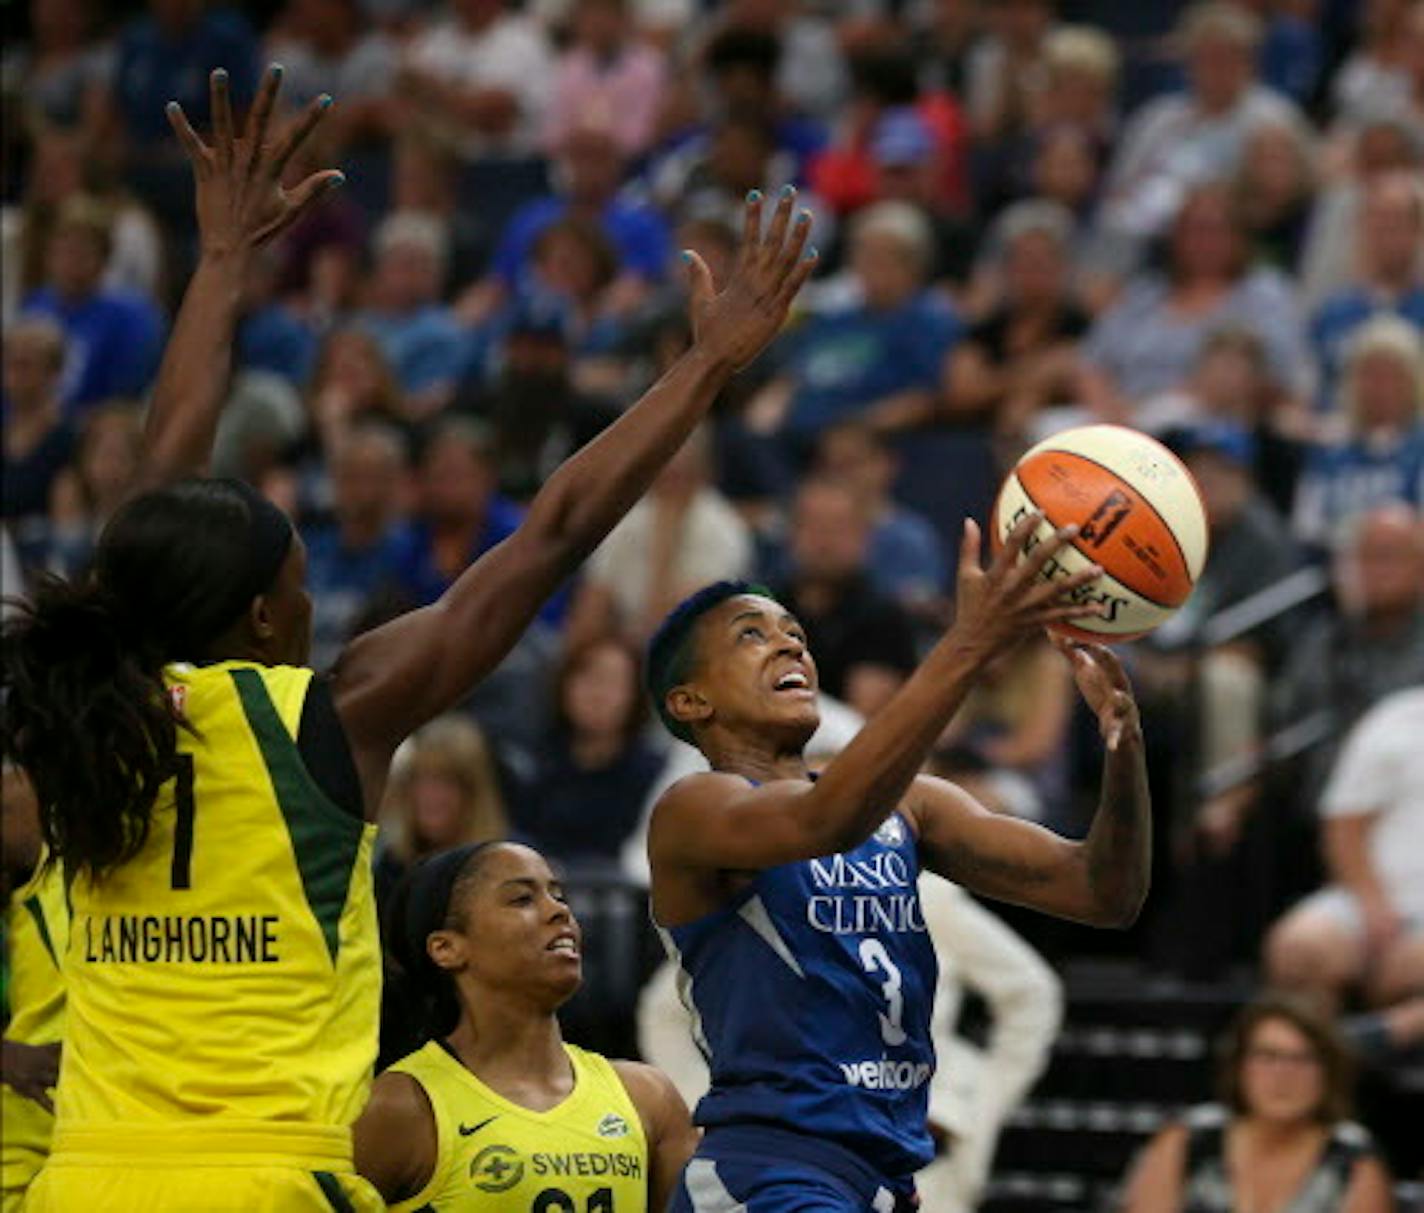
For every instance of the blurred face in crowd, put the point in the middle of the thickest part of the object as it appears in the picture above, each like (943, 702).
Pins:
(1079, 97)
(567, 264)
(476, 14)
(407, 277)
(888, 271)
(1382, 147)
(1225, 485)
(1391, 229)
(421, 180)
(353, 363)
(108, 455)
(1022, 23)
(77, 256)
(1282, 1078)
(601, 25)
(1227, 382)
(436, 805)
(1383, 570)
(1384, 392)
(601, 691)
(913, 182)
(715, 243)
(58, 169)
(1206, 241)
(513, 931)
(829, 533)
(456, 481)
(1219, 68)
(366, 475)
(1274, 166)
(1065, 169)
(852, 457)
(33, 360)
(738, 157)
(1035, 269)
(591, 165)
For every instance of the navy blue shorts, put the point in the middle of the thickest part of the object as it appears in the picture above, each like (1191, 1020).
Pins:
(762, 1169)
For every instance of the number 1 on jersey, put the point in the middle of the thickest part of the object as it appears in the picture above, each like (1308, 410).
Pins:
(874, 957)
(182, 877)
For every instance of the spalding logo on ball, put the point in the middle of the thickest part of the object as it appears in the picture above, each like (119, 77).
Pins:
(1141, 519)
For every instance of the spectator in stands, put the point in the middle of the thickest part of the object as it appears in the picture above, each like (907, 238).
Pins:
(877, 360)
(1365, 928)
(1292, 51)
(810, 66)
(681, 536)
(1281, 1135)
(325, 46)
(594, 771)
(38, 440)
(65, 77)
(1174, 143)
(1375, 76)
(1379, 148)
(114, 336)
(589, 168)
(863, 642)
(1079, 86)
(1276, 184)
(166, 56)
(608, 79)
(576, 267)
(1231, 382)
(744, 65)
(353, 558)
(1021, 357)
(443, 792)
(1008, 744)
(1149, 339)
(272, 336)
(1007, 66)
(69, 162)
(483, 73)
(1379, 458)
(460, 515)
(943, 42)
(537, 417)
(90, 490)
(905, 562)
(419, 336)
(425, 180)
(1369, 644)
(1390, 270)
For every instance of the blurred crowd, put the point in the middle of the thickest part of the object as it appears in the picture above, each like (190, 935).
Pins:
(1203, 221)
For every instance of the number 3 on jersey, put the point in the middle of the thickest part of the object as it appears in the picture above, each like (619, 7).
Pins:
(876, 959)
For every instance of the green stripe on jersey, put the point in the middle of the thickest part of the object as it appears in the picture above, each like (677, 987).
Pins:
(331, 1188)
(325, 839)
(32, 904)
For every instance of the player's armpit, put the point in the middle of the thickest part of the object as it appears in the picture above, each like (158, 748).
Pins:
(667, 1125)
(394, 1138)
(1002, 857)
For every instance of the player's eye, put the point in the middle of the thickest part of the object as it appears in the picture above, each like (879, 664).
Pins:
(523, 899)
(752, 631)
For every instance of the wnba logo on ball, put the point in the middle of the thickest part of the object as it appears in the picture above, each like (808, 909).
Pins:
(1104, 520)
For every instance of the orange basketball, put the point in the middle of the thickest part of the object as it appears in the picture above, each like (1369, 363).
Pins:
(1141, 520)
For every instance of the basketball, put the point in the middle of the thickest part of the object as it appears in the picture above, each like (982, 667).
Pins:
(1141, 519)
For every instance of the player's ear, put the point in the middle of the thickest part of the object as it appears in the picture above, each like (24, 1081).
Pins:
(446, 949)
(687, 706)
(259, 618)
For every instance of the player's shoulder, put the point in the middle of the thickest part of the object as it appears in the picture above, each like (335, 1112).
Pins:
(399, 1101)
(650, 1091)
(700, 790)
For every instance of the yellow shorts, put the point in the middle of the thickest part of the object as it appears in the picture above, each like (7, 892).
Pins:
(221, 1173)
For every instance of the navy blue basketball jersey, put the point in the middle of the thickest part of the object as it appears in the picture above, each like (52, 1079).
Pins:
(811, 995)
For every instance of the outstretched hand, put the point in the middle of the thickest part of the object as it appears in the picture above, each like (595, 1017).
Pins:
(738, 322)
(240, 200)
(997, 607)
(1104, 686)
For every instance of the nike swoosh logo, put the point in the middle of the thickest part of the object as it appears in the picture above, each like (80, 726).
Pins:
(471, 1130)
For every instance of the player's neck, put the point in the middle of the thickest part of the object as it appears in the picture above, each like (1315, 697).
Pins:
(755, 758)
(519, 1055)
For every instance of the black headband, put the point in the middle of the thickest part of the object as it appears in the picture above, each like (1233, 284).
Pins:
(427, 896)
(269, 539)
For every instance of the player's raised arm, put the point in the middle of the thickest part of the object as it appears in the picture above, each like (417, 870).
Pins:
(1103, 879)
(393, 679)
(725, 821)
(241, 205)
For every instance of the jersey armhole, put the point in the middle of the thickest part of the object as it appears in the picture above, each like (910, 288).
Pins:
(326, 753)
(424, 1199)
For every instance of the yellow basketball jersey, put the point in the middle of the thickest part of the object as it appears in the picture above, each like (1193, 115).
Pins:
(228, 976)
(587, 1155)
(36, 931)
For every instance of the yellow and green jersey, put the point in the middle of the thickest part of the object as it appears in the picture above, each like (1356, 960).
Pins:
(228, 976)
(586, 1155)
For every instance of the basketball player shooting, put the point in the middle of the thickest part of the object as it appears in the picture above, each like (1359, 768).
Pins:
(790, 901)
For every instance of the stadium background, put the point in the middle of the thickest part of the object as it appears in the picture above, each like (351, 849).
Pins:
(1025, 221)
